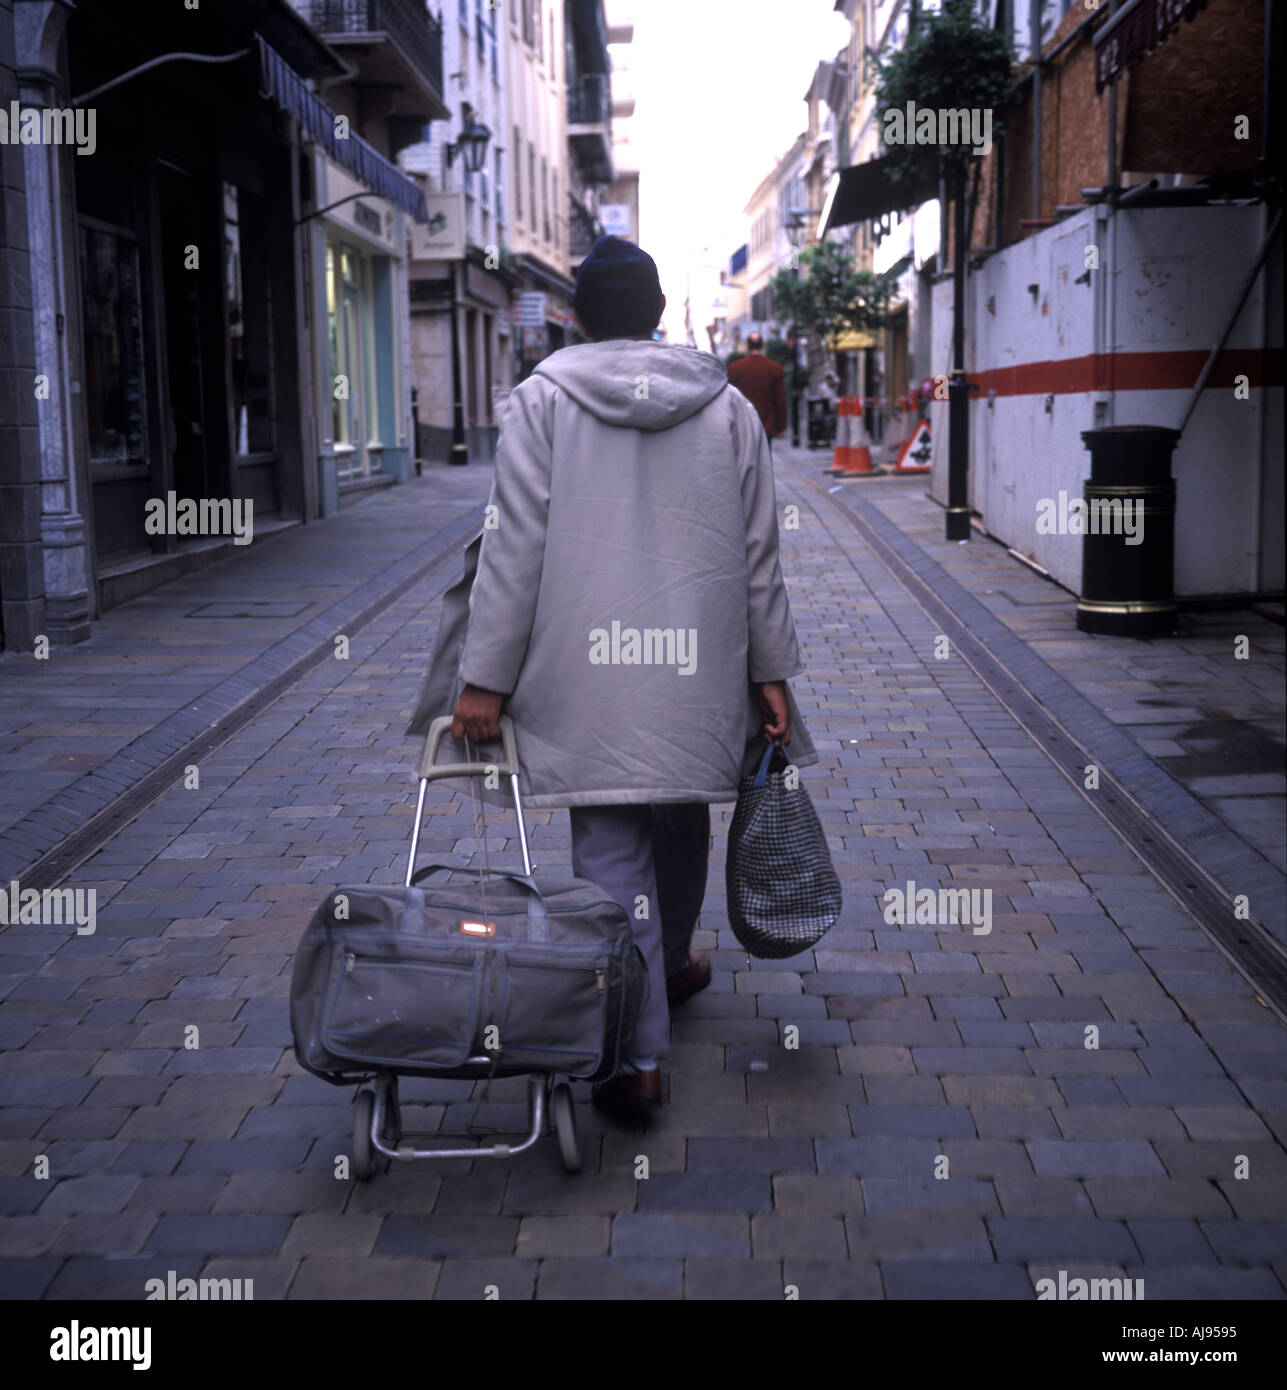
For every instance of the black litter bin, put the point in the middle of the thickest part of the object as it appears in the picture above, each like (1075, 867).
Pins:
(1128, 589)
(822, 422)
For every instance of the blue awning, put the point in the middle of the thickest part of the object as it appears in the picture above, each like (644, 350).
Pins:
(279, 82)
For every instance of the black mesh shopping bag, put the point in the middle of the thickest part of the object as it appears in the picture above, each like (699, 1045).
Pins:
(783, 893)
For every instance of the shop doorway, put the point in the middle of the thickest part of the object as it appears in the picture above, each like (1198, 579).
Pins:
(180, 228)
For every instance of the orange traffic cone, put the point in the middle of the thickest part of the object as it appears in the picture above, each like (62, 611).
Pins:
(840, 460)
(859, 459)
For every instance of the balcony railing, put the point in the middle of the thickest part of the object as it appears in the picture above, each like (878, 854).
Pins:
(406, 23)
(583, 230)
(590, 100)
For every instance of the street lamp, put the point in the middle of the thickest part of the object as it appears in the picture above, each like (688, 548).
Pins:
(472, 146)
(472, 143)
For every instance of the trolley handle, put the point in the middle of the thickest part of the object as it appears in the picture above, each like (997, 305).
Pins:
(429, 772)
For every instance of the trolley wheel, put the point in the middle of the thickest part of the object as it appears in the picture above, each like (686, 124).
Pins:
(363, 1152)
(564, 1117)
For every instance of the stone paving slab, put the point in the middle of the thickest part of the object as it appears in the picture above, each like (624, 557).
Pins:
(1212, 720)
(939, 1128)
(106, 733)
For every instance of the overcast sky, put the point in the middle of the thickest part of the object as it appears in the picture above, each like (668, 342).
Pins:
(719, 90)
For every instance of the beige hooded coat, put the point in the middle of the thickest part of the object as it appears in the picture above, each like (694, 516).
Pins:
(628, 590)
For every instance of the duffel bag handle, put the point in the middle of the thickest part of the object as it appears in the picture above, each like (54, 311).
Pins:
(537, 916)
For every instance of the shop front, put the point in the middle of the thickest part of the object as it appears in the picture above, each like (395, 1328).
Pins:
(366, 403)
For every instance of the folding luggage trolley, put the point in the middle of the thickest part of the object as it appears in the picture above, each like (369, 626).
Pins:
(465, 982)
(377, 1127)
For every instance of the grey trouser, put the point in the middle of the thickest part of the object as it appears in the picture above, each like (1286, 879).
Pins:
(657, 854)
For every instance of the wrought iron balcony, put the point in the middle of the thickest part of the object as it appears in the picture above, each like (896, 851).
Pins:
(583, 230)
(590, 125)
(590, 100)
(396, 43)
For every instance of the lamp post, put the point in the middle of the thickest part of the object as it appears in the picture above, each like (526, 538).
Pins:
(472, 147)
(958, 387)
(795, 234)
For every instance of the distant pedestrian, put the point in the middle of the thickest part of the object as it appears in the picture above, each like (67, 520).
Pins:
(763, 382)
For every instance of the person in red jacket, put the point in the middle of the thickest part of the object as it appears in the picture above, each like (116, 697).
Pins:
(763, 383)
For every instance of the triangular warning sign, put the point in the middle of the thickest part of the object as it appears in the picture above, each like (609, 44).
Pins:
(914, 456)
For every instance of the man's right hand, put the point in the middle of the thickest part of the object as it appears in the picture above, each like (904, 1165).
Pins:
(773, 701)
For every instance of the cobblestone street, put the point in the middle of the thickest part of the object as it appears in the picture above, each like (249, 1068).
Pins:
(947, 1126)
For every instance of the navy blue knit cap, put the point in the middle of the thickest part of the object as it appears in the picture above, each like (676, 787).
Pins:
(617, 289)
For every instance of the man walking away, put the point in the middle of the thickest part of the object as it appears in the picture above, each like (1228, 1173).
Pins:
(761, 380)
(629, 613)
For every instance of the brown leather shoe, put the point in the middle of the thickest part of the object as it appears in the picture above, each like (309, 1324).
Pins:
(632, 1093)
(692, 979)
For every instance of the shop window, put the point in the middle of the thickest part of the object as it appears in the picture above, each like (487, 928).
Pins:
(115, 381)
(345, 276)
(250, 323)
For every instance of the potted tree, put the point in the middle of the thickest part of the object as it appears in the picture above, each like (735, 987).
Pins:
(829, 297)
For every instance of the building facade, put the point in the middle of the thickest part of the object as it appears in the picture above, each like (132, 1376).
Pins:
(177, 180)
(462, 276)
(1122, 253)
(537, 72)
(357, 247)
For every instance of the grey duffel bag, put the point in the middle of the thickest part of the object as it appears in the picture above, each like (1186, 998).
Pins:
(496, 976)
(419, 981)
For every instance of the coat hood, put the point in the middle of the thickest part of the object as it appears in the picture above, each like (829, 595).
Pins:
(636, 384)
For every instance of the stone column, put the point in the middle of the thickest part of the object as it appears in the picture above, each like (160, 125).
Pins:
(55, 278)
(22, 601)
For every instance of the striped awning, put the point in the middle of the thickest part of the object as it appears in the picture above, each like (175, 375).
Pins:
(279, 82)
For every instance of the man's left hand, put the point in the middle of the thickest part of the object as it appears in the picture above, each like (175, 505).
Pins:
(477, 714)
